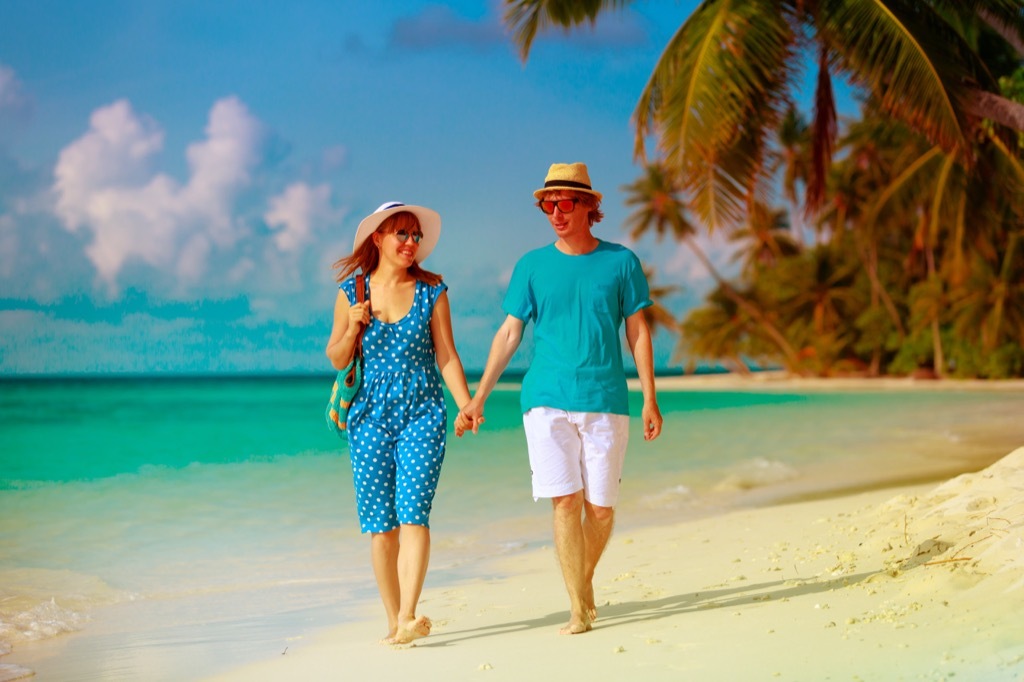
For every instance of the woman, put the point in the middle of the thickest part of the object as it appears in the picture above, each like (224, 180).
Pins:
(397, 422)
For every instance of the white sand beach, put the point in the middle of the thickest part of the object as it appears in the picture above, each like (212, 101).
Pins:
(918, 582)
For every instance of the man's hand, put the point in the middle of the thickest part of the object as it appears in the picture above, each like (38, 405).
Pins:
(471, 416)
(652, 420)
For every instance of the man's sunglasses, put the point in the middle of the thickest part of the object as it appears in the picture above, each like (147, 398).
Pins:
(563, 205)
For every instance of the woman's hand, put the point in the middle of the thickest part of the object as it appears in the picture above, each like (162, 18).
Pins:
(462, 424)
(470, 417)
(358, 317)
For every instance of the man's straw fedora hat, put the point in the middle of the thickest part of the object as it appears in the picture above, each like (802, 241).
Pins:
(573, 176)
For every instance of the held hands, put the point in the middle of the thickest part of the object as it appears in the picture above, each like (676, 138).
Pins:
(470, 417)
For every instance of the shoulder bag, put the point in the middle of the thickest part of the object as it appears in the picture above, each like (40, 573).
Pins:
(349, 378)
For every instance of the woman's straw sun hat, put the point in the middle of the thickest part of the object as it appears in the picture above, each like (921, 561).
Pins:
(430, 223)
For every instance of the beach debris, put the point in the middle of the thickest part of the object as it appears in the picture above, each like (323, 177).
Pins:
(619, 650)
(10, 672)
(485, 666)
(929, 549)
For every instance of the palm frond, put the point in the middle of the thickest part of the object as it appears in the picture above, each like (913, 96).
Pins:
(721, 76)
(1014, 162)
(1003, 16)
(527, 17)
(898, 182)
(916, 64)
(824, 135)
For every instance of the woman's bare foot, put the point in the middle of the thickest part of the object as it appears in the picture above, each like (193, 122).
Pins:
(414, 629)
(576, 626)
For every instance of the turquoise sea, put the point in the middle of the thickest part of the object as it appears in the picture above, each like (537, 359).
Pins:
(167, 529)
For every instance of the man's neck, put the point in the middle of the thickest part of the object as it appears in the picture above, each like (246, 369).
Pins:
(577, 246)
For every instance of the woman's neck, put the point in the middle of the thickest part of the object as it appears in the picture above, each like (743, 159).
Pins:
(387, 274)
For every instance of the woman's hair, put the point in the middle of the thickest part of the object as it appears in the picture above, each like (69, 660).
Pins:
(367, 257)
(587, 200)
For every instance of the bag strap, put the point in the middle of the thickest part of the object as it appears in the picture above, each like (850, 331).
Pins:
(361, 295)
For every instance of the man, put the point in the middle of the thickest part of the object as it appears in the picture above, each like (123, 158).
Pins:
(577, 291)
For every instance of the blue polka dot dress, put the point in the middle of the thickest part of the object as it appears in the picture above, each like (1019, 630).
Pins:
(397, 423)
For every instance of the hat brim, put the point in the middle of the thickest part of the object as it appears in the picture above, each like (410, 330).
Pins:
(430, 223)
(564, 188)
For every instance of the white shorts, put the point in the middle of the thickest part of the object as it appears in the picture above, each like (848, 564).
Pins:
(572, 451)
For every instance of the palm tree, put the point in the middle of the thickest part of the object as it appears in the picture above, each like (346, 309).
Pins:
(928, 305)
(659, 209)
(717, 331)
(814, 293)
(990, 306)
(766, 238)
(657, 315)
(725, 79)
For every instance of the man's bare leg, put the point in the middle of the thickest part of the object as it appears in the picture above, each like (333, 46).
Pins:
(597, 529)
(571, 548)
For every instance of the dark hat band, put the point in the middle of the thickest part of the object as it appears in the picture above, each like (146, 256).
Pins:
(567, 183)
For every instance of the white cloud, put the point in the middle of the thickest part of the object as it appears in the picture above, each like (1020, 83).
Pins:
(8, 247)
(334, 158)
(104, 184)
(295, 213)
(222, 165)
(682, 265)
(12, 92)
(113, 154)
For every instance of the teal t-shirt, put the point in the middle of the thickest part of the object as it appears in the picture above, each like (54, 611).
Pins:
(577, 305)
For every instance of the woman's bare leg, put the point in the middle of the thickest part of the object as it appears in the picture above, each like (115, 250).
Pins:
(384, 553)
(413, 558)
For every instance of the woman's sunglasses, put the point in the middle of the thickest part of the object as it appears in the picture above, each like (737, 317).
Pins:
(403, 236)
(563, 205)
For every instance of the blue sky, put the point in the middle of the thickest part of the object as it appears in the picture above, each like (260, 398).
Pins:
(176, 177)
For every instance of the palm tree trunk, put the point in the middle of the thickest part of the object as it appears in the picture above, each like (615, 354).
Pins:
(793, 362)
(938, 359)
(1003, 111)
(1003, 30)
(870, 261)
(875, 368)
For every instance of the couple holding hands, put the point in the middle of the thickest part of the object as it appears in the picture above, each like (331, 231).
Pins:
(577, 291)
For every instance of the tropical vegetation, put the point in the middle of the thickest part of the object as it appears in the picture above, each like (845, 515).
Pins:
(889, 243)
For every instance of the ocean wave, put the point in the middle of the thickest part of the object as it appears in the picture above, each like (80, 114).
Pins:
(675, 497)
(755, 473)
(40, 604)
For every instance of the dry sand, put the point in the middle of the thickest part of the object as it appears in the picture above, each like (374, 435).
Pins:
(917, 583)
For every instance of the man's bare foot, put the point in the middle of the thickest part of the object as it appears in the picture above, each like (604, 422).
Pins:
(575, 627)
(414, 629)
(589, 607)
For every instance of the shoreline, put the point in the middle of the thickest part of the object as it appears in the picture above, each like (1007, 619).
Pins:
(782, 380)
(913, 582)
(854, 482)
